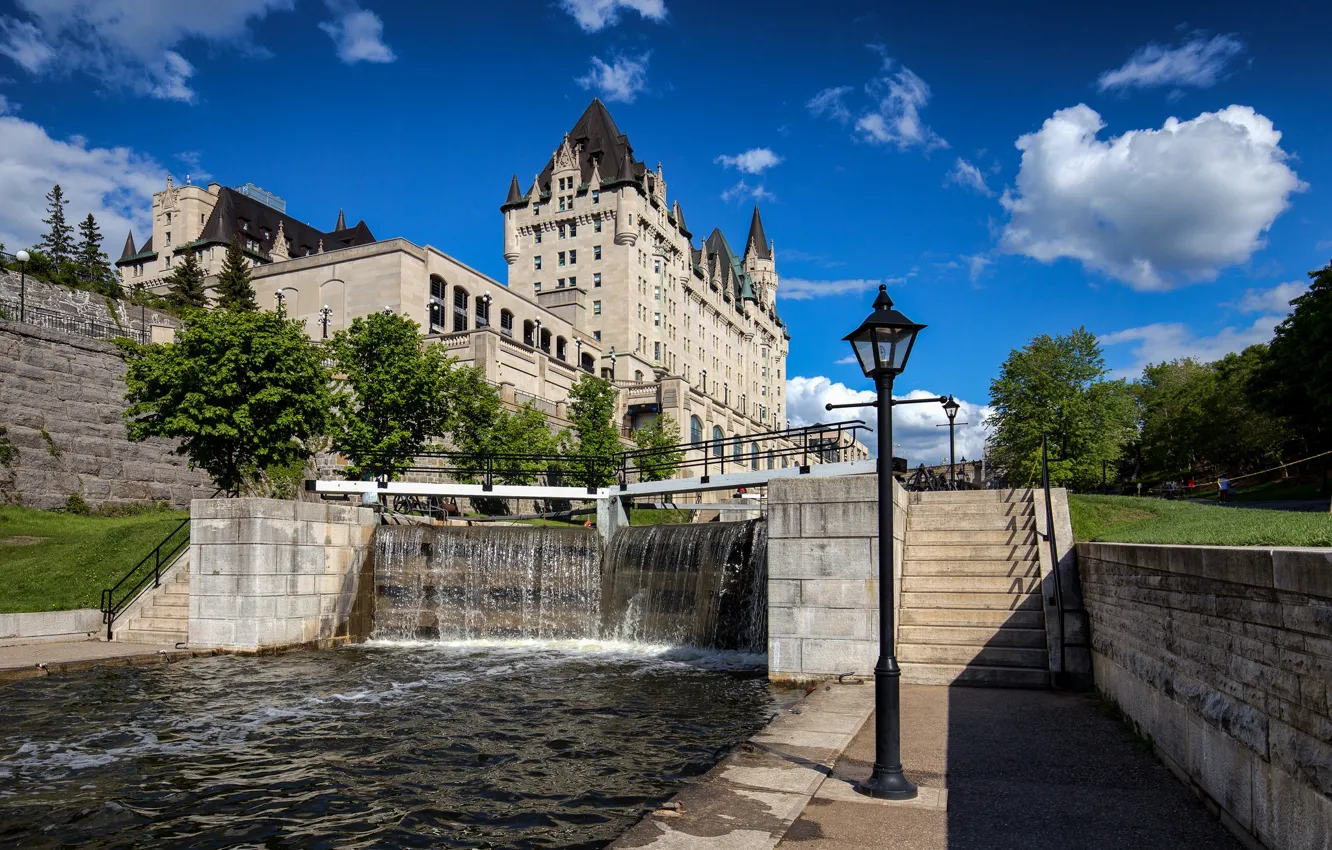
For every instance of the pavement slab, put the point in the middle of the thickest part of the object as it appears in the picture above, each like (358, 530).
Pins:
(23, 661)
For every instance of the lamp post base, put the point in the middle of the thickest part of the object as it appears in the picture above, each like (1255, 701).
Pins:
(883, 785)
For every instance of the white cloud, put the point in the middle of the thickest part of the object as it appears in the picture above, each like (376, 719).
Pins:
(358, 33)
(968, 175)
(594, 15)
(831, 102)
(915, 433)
(848, 360)
(1274, 300)
(126, 45)
(1198, 62)
(621, 80)
(976, 265)
(1166, 341)
(1155, 208)
(742, 191)
(116, 185)
(752, 161)
(6, 107)
(797, 289)
(896, 118)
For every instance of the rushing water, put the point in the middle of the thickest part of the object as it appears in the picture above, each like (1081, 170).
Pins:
(477, 744)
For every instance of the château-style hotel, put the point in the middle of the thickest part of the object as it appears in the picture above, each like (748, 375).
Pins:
(603, 277)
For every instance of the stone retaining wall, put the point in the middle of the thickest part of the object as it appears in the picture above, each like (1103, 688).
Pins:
(50, 625)
(823, 550)
(73, 388)
(266, 573)
(1223, 656)
(80, 303)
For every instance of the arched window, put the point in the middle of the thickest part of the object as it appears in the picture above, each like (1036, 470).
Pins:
(506, 323)
(695, 430)
(545, 340)
(482, 313)
(589, 363)
(737, 450)
(772, 461)
(437, 287)
(528, 330)
(561, 348)
(783, 462)
(753, 456)
(718, 441)
(459, 309)
(638, 375)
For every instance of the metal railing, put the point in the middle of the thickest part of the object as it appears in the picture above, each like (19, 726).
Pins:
(116, 597)
(1054, 549)
(66, 323)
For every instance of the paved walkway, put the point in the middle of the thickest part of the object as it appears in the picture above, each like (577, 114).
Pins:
(1023, 769)
(21, 661)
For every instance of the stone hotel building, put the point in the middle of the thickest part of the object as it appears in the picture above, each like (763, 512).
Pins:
(603, 277)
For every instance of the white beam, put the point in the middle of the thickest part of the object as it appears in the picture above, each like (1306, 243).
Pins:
(736, 480)
(451, 488)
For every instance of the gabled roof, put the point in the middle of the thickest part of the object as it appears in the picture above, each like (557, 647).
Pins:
(601, 143)
(232, 207)
(757, 238)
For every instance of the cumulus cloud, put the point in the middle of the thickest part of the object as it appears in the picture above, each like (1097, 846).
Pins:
(1166, 341)
(752, 161)
(742, 191)
(898, 94)
(968, 175)
(1274, 300)
(131, 46)
(797, 289)
(595, 15)
(358, 33)
(1156, 209)
(115, 184)
(916, 435)
(1198, 62)
(618, 81)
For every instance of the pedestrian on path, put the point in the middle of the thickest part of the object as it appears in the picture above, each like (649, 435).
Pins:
(1223, 488)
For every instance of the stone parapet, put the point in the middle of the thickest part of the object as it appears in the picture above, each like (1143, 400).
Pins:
(266, 573)
(1223, 657)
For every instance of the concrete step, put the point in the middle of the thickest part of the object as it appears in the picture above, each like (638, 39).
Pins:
(912, 583)
(985, 601)
(166, 638)
(978, 676)
(972, 509)
(971, 568)
(970, 537)
(972, 636)
(970, 496)
(918, 520)
(172, 600)
(156, 611)
(972, 617)
(996, 656)
(959, 552)
(158, 624)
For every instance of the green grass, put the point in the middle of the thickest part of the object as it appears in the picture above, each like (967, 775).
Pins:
(72, 557)
(1276, 490)
(1128, 519)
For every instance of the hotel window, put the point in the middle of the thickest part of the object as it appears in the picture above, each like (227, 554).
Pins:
(656, 320)
(245, 225)
(506, 323)
(536, 209)
(573, 258)
(596, 280)
(536, 238)
(656, 293)
(482, 313)
(596, 308)
(168, 235)
(436, 287)
(596, 196)
(596, 335)
(656, 266)
(573, 281)
(596, 226)
(561, 260)
(459, 309)
(561, 231)
(559, 284)
(536, 287)
(573, 230)
(638, 375)
(536, 262)
(561, 202)
(656, 351)
(596, 252)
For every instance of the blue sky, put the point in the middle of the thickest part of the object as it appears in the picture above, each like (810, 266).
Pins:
(1169, 191)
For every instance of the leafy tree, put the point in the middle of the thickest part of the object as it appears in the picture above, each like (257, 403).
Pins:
(1057, 386)
(1295, 382)
(94, 268)
(234, 289)
(661, 433)
(244, 392)
(395, 397)
(481, 426)
(1174, 399)
(186, 284)
(58, 243)
(593, 448)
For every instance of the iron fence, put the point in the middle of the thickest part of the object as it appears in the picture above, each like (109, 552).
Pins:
(65, 323)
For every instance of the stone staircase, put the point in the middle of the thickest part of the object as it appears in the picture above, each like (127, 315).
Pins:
(161, 615)
(971, 610)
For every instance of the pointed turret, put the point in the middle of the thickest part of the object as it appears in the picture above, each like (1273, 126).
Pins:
(130, 250)
(758, 240)
(342, 221)
(515, 193)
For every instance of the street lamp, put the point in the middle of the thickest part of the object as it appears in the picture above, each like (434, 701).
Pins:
(882, 344)
(951, 407)
(705, 382)
(536, 335)
(281, 301)
(22, 257)
(578, 350)
(612, 359)
(324, 313)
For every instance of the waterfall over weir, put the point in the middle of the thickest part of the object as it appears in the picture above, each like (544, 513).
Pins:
(698, 585)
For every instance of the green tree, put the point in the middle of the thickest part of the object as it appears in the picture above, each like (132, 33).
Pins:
(659, 434)
(481, 427)
(592, 445)
(1295, 382)
(94, 268)
(1173, 409)
(185, 284)
(234, 289)
(58, 243)
(244, 392)
(1058, 386)
(395, 396)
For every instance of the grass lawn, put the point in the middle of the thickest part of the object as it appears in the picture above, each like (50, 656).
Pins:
(1276, 490)
(1128, 519)
(56, 561)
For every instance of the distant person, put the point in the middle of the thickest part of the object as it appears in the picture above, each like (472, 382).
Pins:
(1139, 488)
(1223, 488)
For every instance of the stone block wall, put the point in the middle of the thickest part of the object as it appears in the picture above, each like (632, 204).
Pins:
(266, 573)
(1223, 656)
(823, 588)
(73, 389)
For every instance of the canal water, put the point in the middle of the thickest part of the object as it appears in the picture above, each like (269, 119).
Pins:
(520, 743)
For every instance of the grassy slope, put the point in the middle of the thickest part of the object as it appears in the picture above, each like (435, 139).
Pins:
(1127, 519)
(79, 556)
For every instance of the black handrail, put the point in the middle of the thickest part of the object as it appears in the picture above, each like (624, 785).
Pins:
(151, 566)
(1054, 549)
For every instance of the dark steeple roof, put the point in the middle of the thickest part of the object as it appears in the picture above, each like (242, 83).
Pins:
(515, 193)
(758, 238)
(233, 208)
(602, 144)
(342, 221)
(129, 251)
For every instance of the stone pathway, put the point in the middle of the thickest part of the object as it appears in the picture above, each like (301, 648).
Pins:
(23, 661)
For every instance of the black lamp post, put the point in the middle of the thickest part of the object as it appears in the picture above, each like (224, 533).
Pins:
(951, 407)
(578, 351)
(324, 313)
(612, 359)
(281, 301)
(22, 257)
(536, 334)
(882, 344)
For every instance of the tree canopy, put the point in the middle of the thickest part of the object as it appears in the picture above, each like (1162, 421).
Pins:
(1295, 382)
(593, 441)
(661, 433)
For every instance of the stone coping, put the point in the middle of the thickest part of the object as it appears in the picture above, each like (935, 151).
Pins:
(1293, 569)
(48, 625)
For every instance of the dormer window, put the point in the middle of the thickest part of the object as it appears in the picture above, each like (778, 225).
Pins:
(244, 225)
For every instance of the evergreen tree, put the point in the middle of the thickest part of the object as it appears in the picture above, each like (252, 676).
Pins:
(186, 284)
(94, 268)
(58, 243)
(234, 290)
